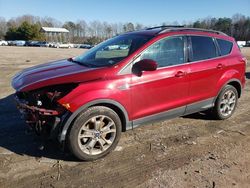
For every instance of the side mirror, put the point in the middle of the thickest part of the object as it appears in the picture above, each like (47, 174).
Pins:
(144, 65)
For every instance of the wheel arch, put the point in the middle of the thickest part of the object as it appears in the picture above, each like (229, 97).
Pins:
(114, 105)
(235, 83)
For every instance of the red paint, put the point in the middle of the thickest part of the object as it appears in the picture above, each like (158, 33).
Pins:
(153, 92)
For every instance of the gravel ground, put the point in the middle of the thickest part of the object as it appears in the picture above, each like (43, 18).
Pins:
(192, 151)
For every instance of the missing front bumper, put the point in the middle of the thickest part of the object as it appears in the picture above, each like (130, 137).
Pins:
(43, 121)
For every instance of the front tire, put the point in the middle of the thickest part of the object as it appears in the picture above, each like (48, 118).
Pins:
(94, 133)
(226, 103)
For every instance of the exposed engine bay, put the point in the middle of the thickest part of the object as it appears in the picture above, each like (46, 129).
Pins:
(40, 109)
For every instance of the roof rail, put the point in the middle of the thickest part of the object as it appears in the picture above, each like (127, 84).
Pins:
(165, 27)
(191, 29)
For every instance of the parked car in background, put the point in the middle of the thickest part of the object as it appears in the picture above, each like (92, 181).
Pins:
(241, 43)
(3, 43)
(42, 44)
(159, 73)
(112, 47)
(64, 45)
(123, 47)
(16, 43)
(10, 42)
(19, 43)
(52, 44)
(85, 46)
(31, 43)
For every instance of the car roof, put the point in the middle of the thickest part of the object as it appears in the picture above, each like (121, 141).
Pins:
(152, 32)
(159, 30)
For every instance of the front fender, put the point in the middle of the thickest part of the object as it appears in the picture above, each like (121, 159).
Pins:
(89, 94)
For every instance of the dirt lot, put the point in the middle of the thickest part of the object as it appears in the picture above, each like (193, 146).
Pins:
(192, 151)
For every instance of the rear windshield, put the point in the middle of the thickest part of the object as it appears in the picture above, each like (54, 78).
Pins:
(225, 46)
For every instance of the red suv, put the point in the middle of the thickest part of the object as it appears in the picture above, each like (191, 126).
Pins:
(131, 79)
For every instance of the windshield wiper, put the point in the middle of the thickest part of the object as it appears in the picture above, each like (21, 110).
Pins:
(78, 62)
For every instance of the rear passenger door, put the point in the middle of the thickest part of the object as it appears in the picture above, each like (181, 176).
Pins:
(205, 70)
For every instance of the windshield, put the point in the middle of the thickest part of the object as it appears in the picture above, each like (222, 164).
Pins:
(112, 51)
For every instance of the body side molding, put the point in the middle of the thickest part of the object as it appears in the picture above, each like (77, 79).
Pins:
(176, 112)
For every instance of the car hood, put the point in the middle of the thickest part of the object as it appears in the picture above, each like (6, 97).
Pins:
(53, 73)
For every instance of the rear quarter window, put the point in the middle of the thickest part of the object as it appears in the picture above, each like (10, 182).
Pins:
(225, 46)
(203, 48)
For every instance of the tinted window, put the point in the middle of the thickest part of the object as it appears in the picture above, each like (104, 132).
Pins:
(203, 48)
(166, 52)
(225, 46)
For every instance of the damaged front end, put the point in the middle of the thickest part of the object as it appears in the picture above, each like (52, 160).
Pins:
(41, 111)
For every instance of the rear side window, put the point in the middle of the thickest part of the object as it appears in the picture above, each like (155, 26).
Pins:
(203, 48)
(225, 46)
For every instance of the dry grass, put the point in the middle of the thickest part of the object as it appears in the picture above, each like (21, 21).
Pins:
(193, 151)
(246, 52)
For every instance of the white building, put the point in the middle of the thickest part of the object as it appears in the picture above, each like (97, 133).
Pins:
(54, 34)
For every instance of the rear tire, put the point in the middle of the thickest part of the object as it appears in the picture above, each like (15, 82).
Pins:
(225, 103)
(94, 133)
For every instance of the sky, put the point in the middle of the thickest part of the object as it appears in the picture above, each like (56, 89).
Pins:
(147, 12)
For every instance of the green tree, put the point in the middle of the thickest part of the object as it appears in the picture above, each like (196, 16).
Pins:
(224, 25)
(36, 34)
(93, 40)
(128, 27)
(12, 34)
(197, 24)
(25, 31)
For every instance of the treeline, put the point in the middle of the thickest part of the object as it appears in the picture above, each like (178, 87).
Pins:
(238, 26)
(27, 27)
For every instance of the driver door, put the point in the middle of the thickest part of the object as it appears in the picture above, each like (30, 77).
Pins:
(163, 92)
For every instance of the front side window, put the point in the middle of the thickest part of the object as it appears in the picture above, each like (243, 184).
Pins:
(203, 48)
(112, 51)
(166, 52)
(225, 46)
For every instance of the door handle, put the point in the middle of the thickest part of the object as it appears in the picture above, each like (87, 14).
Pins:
(180, 74)
(220, 66)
